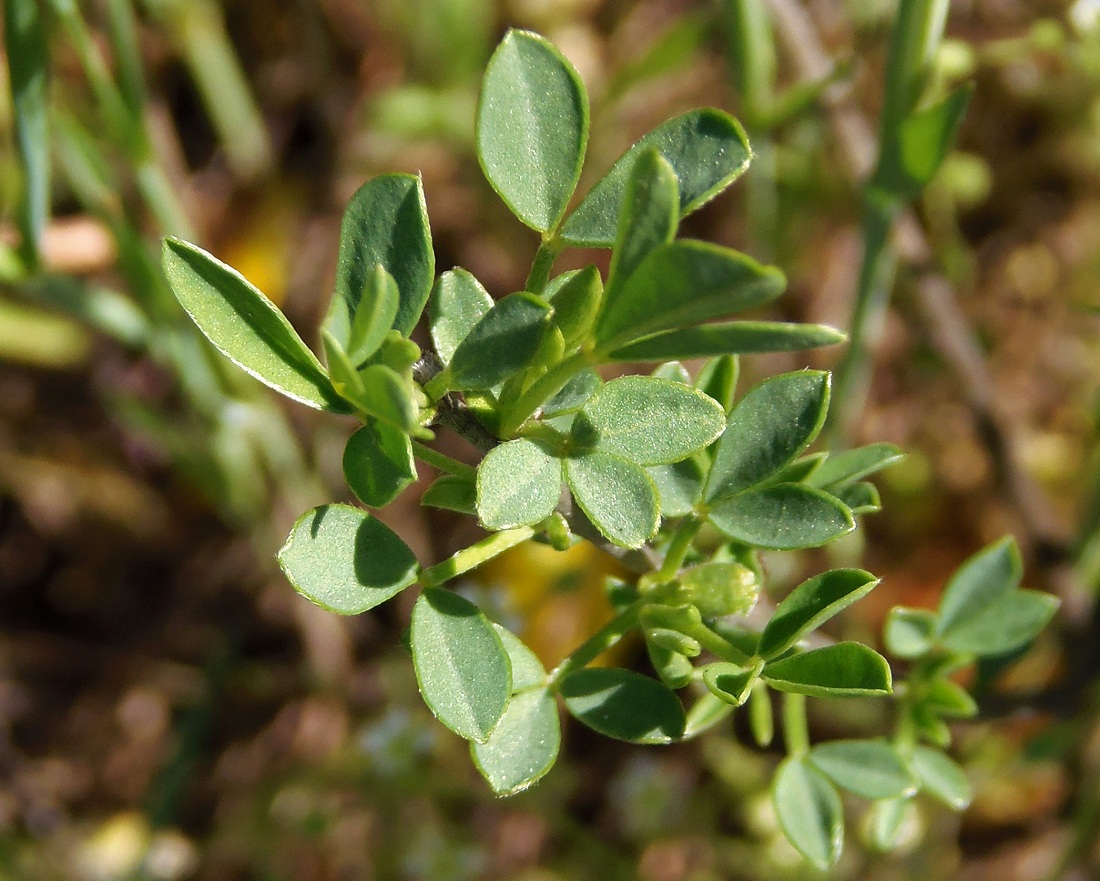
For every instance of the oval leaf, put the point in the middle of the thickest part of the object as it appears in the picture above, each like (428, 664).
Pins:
(461, 666)
(504, 341)
(518, 484)
(245, 326)
(706, 148)
(532, 128)
(809, 811)
(523, 746)
(869, 768)
(784, 517)
(843, 469)
(767, 430)
(647, 420)
(346, 561)
(1005, 625)
(576, 298)
(810, 605)
(616, 495)
(375, 315)
(732, 338)
(458, 302)
(378, 463)
(624, 705)
(909, 633)
(679, 486)
(941, 777)
(452, 492)
(388, 397)
(720, 588)
(527, 669)
(847, 669)
(986, 577)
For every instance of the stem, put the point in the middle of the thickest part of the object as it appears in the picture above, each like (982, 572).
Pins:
(718, 646)
(796, 731)
(679, 547)
(442, 461)
(552, 382)
(603, 639)
(544, 261)
(438, 385)
(473, 556)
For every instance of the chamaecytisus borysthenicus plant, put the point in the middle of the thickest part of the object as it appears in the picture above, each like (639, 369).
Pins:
(683, 480)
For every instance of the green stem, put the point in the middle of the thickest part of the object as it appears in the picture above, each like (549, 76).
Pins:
(548, 385)
(442, 461)
(718, 646)
(796, 730)
(473, 556)
(601, 641)
(544, 261)
(438, 385)
(679, 546)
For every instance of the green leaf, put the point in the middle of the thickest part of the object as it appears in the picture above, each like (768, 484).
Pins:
(647, 219)
(452, 493)
(457, 303)
(624, 705)
(518, 484)
(770, 426)
(679, 486)
(647, 420)
(388, 397)
(947, 698)
(378, 463)
(342, 374)
(523, 746)
(527, 669)
(576, 297)
(799, 470)
(461, 666)
(682, 283)
(532, 128)
(734, 337)
(718, 379)
(573, 395)
(860, 498)
(869, 768)
(810, 605)
(345, 560)
(728, 682)
(706, 148)
(616, 495)
(847, 669)
(783, 517)
(1006, 624)
(720, 588)
(28, 59)
(887, 820)
(673, 371)
(989, 575)
(704, 714)
(761, 717)
(386, 222)
(503, 342)
(940, 777)
(843, 469)
(809, 811)
(245, 326)
(673, 668)
(375, 315)
(910, 633)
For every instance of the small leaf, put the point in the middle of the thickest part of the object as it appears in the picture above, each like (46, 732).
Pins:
(718, 379)
(843, 469)
(388, 397)
(728, 682)
(624, 705)
(457, 303)
(527, 669)
(770, 426)
(461, 666)
(378, 463)
(949, 699)
(616, 495)
(576, 298)
(673, 668)
(503, 342)
(245, 326)
(1006, 624)
(799, 470)
(386, 222)
(573, 395)
(679, 486)
(869, 768)
(375, 315)
(810, 605)
(940, 777)
(532, 128)
(346, 561)
(681, 283)
(910, 633)
(809, 811)
(720, 588)
(887, 819)
(706, 148)
(784, 517)
(342, 374)
(861, 498)
(523, 746)
(673, 371)
(986, 577)
(452, 493)
(847, 669)
(731, 338)
(647, 420)
(518, 484)
(647, 219)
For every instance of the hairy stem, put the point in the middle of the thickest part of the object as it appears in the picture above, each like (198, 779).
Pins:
(473, 556)
(442, 461)
(602, 640)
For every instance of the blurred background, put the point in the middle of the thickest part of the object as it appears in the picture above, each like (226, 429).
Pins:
(171, 709)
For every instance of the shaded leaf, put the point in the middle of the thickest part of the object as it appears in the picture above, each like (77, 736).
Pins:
(941, 777)
(718, 378)
(784, 517)
(378, 463)
(869, 768)
(861, 498)
(388, 397)
(616, 495)
(809, 811)
(909, 633)
(504, 341)
(842, 469)
(810, 605)
(887, 819)
(527, 669)
(679, 486)
(731, 338)
(573, 395)
(457, 303)
(846, 669)
(452, 493)
(1006, 624)
(728, 682)
(624, 705)
(375, 316)
(518, 484)
(984, 578)
(524, 744)
(576, 297)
